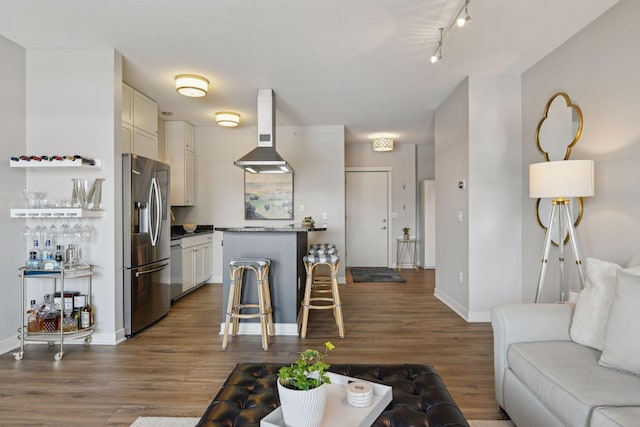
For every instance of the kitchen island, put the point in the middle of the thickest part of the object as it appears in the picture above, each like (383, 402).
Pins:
(285, 247)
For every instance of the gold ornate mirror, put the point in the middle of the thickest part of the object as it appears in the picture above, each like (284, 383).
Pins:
(558, 131)
(560, 128)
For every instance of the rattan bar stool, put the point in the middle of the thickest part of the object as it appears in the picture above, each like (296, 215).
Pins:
(260, 266)
(331, 302)
(322, 276)
(323, 249)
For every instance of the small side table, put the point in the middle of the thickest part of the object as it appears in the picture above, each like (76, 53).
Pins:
(406, 253)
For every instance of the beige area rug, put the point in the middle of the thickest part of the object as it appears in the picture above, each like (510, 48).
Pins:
(165, 422)
(491, 423)
(191, 422)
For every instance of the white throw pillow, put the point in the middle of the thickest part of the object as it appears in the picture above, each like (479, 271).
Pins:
(622, 340)
(634, 261)
(589, 323)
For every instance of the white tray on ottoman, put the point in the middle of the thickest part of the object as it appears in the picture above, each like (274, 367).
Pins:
(337, 411)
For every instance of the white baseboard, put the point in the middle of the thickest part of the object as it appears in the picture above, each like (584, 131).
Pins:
(253, 328)
(451, 303)
(469, 316)
(9, 344)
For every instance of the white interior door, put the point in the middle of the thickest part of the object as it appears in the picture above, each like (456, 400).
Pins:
(367, 219)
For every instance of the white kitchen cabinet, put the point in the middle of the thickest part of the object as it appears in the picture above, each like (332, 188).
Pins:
(188, 277)
(139, 123)
(202, 263)
(144, 144)
(127, 104)
(127, 137)
(196, 263)
(180, 136)
(145, 113)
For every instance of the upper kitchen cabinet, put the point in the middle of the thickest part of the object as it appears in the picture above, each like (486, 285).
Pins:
(139, 123)
(180, 136)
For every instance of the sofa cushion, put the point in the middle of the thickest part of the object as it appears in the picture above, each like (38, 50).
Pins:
(589, 322)
(567, 379)
(622, 341)
(615, 417)
(634, 261)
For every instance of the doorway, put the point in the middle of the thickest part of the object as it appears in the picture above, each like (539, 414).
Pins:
(368, 195)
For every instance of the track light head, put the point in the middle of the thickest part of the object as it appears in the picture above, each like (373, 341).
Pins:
(437, 53)
(461, 20)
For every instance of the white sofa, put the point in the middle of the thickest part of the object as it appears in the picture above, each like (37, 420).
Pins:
(543, 378)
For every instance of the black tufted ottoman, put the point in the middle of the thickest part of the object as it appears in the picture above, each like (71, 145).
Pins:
(420, 398)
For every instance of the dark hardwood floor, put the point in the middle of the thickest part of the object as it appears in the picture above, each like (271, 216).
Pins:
(175, 367)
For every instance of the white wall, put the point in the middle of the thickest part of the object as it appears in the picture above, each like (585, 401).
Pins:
(317, 156)
(12, 123)
(598, 68)
(73, 107)
(495, 214)
(478, 228)
(402, 161)
(452, 164)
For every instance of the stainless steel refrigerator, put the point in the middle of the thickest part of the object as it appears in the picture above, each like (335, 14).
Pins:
(147, 235)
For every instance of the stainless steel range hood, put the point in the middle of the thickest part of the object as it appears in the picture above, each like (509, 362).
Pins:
(264, 158)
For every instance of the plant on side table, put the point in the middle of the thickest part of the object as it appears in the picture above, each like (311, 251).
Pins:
(301, 388)
(405, 232)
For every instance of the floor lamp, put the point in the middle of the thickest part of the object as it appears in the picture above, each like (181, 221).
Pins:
(560, 181)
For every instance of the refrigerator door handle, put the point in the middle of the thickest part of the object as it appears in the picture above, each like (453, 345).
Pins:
(153, 270)
(154, 198)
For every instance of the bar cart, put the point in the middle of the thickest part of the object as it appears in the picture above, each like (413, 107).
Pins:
(59, 332)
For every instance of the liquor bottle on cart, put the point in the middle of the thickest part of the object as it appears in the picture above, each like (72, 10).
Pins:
(35, 256)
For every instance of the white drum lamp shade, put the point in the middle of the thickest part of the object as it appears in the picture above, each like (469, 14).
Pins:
(561, 179)
(382, 144)
(227, 118)
(192, 85)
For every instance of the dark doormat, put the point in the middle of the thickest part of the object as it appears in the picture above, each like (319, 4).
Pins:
(375, 274)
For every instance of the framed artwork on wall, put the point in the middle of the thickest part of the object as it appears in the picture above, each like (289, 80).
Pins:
(268, 196)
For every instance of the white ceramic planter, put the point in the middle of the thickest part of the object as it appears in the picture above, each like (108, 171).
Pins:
(302, 408)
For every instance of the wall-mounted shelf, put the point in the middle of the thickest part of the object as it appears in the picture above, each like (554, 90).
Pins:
(77, 163)
(55, 213)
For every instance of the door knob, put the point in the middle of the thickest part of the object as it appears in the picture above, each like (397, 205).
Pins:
(383, 228)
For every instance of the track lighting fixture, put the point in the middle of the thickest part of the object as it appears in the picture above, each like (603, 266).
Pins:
(460, 19)
(463, 19)
(437, 53)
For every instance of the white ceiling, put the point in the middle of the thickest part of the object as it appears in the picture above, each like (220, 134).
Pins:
(359, 63)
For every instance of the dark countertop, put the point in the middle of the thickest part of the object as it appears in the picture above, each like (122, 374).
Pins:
(177, 232)
(289, 229)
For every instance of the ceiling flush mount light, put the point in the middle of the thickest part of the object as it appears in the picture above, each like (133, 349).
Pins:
(437, 53)
(192, 85)
(463, 19)
(382, 144)
(227, 119)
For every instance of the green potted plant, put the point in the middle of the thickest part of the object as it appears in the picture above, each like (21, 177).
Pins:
(405, 232)
(301, 391)
(308, 222)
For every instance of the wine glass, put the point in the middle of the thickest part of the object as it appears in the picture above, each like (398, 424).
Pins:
(65, 230)
(87, 232)
(53, 232)
(27, 233)
(77, 231)
(40, 232)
